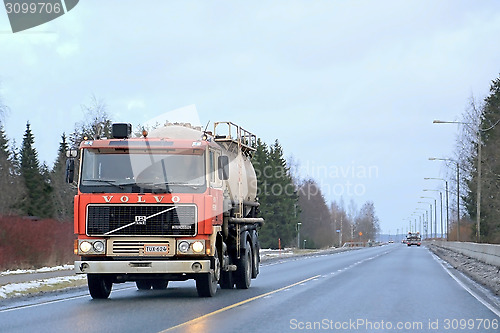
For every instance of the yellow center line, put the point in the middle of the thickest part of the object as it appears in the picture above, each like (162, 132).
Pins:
(198, 319)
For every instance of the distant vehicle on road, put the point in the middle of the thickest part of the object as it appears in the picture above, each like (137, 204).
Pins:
(413, 238)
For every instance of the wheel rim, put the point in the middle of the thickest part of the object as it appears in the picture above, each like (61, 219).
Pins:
(249, 265)
(216, 273)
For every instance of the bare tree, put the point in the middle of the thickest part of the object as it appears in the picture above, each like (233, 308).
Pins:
(367, 224)
(95, 125)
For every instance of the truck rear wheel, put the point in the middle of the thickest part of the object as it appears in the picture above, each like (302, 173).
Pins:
(244, 268)
(206, 283)
(143, 284)
(159, 284)
(99, 286)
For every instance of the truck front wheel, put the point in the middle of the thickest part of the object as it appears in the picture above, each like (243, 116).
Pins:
(99, 286)
(206, 283)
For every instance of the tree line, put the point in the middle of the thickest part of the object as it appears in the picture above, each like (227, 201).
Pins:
(31, 188)
(288, 204)
(295, 208)
(479, 132)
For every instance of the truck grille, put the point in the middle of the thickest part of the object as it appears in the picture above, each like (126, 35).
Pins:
(131, 247)
(141, 220)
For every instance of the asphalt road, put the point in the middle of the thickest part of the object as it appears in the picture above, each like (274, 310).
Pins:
(393, 288)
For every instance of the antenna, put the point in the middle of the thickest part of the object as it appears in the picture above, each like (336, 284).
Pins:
(204, 137)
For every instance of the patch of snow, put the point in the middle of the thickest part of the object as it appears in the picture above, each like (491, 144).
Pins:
(39, 270)
(15, 289)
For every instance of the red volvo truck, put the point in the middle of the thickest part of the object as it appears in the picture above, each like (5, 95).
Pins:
(178, 203)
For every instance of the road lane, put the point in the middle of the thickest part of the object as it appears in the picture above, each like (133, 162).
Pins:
(404, 289)
(370, 284)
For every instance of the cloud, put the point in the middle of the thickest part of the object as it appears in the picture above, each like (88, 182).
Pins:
(136, 104)
(67, 50)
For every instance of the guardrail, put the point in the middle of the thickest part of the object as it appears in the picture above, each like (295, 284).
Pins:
(488, 253)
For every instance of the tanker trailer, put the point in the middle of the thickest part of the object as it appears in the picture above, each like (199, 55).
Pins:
(176, 204)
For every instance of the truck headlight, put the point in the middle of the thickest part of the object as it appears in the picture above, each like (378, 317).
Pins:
(184, 246)
(98, 246)
(198, 247)
(91, 246)
(85, 247)
(190, 246)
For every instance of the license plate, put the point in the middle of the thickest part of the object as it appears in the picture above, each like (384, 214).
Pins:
(148, 249)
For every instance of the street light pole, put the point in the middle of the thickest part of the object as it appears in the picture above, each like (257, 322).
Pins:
(298, 234)
(458, 191)
(479, 162)
(421, 217)
(447, 205)
(435, 215)
(440, 213)
(458, 203)
(429, 223)
(478, 198)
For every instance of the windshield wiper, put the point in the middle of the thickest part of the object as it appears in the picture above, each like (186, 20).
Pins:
(194, 187)
(110, 182)
(151, 185)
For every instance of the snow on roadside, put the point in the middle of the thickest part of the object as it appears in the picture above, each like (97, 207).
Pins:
(270, 253)
(39, 270)
(17, 289)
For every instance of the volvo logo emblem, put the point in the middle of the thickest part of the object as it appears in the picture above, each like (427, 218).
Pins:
(140, 220)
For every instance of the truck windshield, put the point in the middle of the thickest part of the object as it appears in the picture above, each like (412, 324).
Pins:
(124, 170)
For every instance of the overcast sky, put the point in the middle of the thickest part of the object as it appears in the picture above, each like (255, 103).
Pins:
(350, 88)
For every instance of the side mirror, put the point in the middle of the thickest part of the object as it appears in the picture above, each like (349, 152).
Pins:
(70, 170)
(223, 167)
(71, 153)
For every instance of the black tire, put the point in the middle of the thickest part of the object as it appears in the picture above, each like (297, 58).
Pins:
(159, 284)
(206, 283)
(143, 284)
(99, 286)
(243, 274)
(255, 255)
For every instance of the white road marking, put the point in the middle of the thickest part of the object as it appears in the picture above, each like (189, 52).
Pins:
(472, 293)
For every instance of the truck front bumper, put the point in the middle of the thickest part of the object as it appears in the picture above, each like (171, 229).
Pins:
(142, 267)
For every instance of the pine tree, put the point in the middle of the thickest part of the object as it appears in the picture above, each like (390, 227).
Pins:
(38, 201)
(490, 157)
(8, 181)
(277, 196)
(489, 129)
(63, 193)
